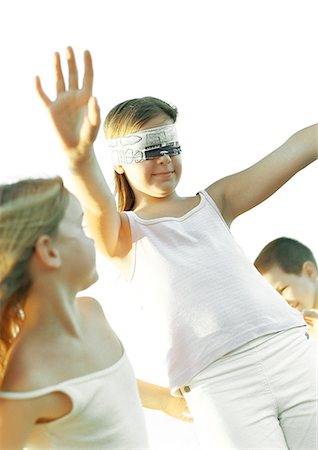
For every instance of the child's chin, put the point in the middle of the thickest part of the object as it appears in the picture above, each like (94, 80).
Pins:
(93, 278)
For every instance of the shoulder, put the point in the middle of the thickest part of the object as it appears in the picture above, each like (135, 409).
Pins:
(35, 356)
(215, 192)
(19, 372)
(89, 305)
(93, 313)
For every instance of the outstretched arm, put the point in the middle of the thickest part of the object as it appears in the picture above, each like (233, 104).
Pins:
(76, 118)
(242, 191)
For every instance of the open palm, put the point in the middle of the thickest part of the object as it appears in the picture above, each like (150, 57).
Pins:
(74, 112)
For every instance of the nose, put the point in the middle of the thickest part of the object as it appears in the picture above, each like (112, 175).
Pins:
(164, 158)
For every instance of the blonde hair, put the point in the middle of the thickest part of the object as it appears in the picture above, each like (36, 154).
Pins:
(28, 209)
(128, 117)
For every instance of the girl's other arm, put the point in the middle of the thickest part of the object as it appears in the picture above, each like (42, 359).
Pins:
(237, 193)
(76, 118)
(159, 398)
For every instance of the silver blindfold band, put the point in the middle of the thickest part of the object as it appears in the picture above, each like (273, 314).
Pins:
(145, 144)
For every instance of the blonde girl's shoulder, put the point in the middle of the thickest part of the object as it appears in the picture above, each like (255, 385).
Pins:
(19, 373)
(90, 306)
(34, 359)
(93, 314)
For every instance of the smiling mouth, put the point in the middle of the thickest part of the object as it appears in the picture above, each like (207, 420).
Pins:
(170, 172)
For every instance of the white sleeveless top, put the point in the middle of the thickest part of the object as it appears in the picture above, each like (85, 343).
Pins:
(201, 295)
(106, 413)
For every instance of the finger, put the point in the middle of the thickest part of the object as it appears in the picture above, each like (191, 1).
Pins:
(187, 418)
(187, 415)
(59, 79)
(93, 112)
(41, 93)
(88, 73)
(72, 69)
(309, 320)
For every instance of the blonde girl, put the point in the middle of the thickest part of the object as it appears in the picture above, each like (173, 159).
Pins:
(66, 382)
(232, 346)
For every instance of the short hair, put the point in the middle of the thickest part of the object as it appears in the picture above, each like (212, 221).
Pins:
(288, 254)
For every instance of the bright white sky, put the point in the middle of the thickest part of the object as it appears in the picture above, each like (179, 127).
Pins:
(243, 75)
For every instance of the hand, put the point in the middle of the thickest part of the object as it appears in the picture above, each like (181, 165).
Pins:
(177, 407)
(159, 398)
(75, 113)
(312, 323)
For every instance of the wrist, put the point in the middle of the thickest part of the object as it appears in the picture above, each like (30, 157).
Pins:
(82, 158)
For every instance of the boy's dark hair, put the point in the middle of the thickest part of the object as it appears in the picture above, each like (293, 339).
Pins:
(286, 253)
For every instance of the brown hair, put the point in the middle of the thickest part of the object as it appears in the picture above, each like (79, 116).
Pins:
(128, 117)
(28, 209)
(288, 254)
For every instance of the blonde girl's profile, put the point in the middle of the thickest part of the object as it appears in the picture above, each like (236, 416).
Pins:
(66, 381)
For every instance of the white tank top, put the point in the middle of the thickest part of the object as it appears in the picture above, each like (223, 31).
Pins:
(200, 294)
(106, 413)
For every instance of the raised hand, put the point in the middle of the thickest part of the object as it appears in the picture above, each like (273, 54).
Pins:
(75, 113)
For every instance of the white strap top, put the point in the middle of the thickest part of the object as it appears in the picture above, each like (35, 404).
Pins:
(106, 413)
(200, 293)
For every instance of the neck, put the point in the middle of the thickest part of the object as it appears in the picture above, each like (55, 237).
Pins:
(143, 200)
(52, 309)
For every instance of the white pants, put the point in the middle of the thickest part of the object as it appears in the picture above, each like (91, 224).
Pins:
(263, 396)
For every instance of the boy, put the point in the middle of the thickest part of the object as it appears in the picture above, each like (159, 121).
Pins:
(290, 267)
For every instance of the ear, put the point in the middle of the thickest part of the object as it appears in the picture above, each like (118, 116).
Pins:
(310, 270)
(47, 252)
(119, 169)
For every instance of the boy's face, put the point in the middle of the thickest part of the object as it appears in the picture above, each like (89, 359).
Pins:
(298, 290)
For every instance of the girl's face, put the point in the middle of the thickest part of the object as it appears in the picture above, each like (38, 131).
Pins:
(77, 250)
(156, 177)
(298, 290)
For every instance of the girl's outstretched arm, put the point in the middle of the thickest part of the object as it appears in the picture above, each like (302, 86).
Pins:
(242, 191)
(76, 118)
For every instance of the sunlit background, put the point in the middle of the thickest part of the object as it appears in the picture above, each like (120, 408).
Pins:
(244, 77)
